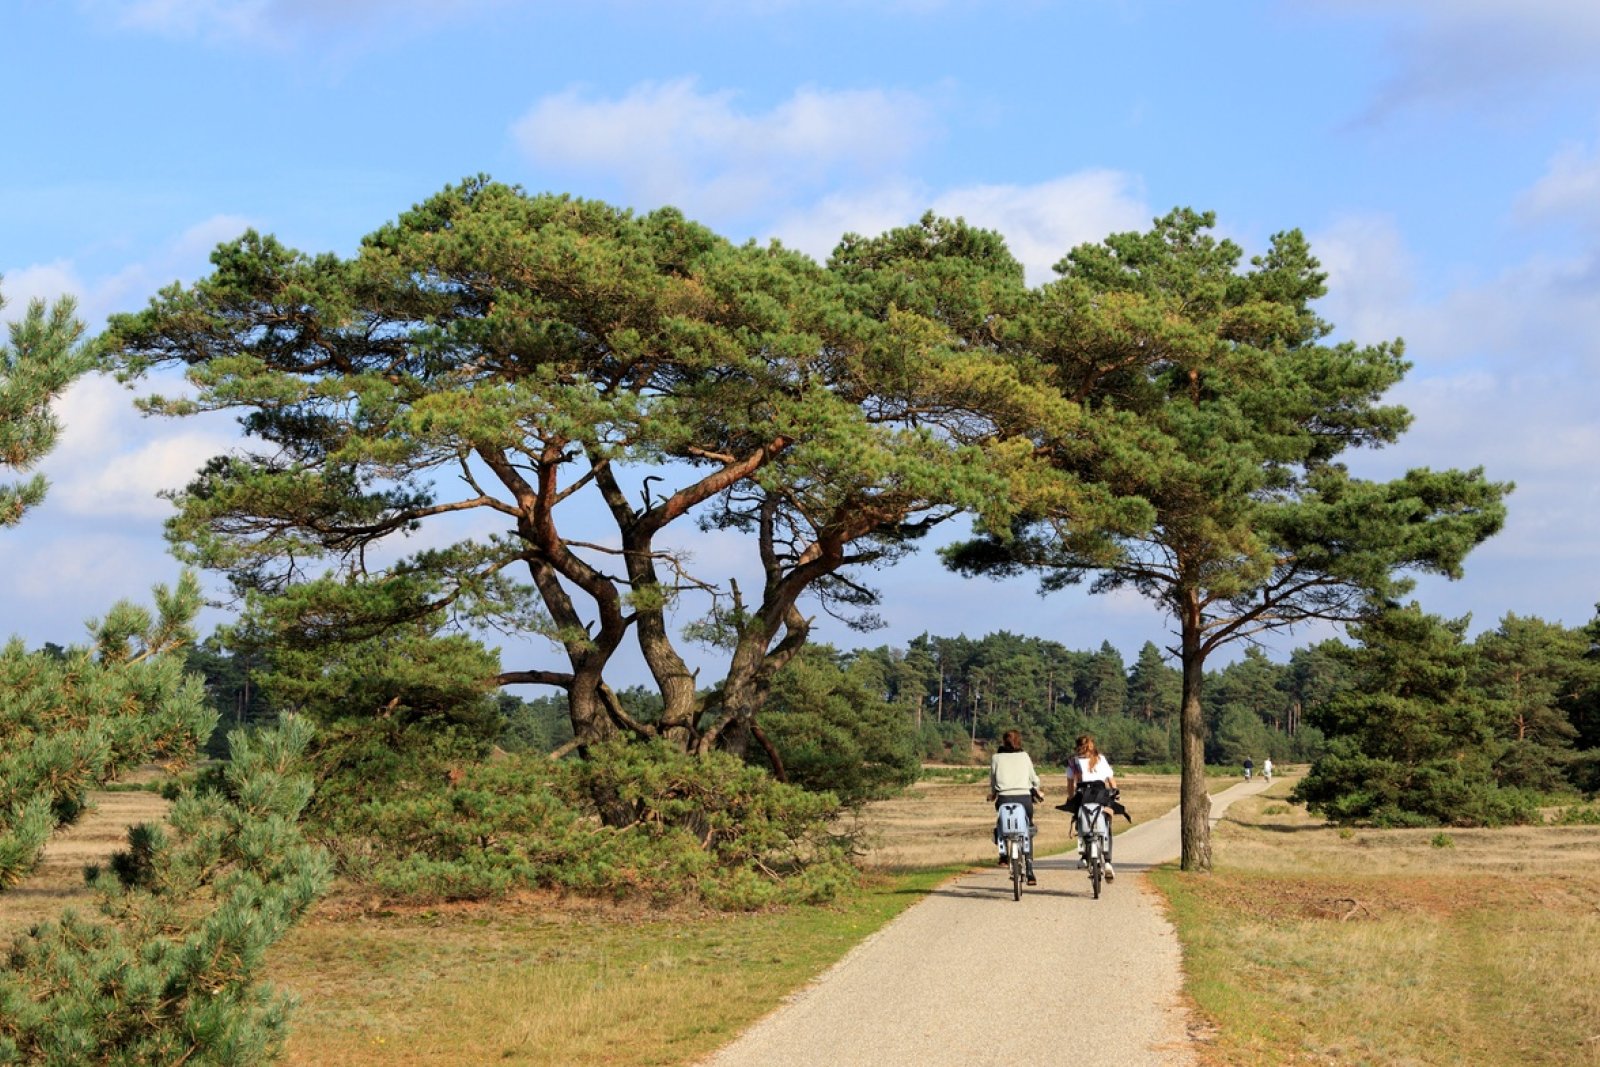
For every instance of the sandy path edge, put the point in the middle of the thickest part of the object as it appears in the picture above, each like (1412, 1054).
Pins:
(951, 978)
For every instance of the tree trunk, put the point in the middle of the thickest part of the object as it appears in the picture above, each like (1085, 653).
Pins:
(1195, 801)
(743, 694)
(591, 724)
(680, 703)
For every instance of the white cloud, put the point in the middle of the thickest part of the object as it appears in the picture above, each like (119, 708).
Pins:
(1568, 191)
(671, 143)
(278, 23)
(182, 258)
(816, 228)
(111, 462)
(1040, 222)
(41, 281)
(127, 484)
(1498, 363)
(1370, 277)
(188, 18)
(1475, 50)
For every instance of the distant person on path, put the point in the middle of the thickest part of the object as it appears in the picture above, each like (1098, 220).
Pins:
(1012, 780)
(1087, 766)
(1249, 768)
(1266, 769)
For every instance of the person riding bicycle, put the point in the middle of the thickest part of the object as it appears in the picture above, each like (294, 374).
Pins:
(1266, 769)
(1087, 766)
(1249, 767)
(1012, 780)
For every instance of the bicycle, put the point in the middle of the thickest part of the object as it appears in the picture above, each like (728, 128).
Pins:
(1094, 836)
(1016, 843)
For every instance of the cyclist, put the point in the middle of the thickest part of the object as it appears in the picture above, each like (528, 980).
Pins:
(1249, 767)
(1088, 765)
(1266, 769)
(1012, 780)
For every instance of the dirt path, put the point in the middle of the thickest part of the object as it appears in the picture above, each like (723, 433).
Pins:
(969, 975)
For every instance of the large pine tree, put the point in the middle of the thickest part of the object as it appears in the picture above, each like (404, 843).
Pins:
(1234, 411)
(554, 387)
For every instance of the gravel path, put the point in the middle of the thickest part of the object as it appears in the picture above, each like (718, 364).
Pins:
(971, 976)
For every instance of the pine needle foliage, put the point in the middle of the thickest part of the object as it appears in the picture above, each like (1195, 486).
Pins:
(170, 974)
(1412, 742)
(709, 828)
(42, 358)
(74, 721)
(502, 357)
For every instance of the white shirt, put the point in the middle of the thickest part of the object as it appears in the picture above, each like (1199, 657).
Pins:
(1081, 773)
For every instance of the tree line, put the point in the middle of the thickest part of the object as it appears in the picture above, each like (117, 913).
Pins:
(1519, 710)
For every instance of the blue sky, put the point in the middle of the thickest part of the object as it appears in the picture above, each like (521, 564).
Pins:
(1442, 155)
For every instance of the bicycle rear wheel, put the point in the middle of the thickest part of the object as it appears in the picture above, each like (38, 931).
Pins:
(1016, 870)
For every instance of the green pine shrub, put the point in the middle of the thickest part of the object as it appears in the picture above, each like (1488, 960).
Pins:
(75, 720)
(704, 828)
(1411, 743)
(836, 733)
(170, 974)
(1579, 815)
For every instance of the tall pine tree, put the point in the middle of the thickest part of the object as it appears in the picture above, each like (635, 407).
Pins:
(1233, 413)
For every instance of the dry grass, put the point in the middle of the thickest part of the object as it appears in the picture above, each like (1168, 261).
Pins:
(1312, 945)
(536, 980)
(57, 884)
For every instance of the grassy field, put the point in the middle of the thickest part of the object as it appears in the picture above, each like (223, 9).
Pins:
(1313, 945)
(539, 981)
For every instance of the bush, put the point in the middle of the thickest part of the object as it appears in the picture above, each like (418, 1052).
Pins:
(1579, 815)
(1411, 744)
(702, 828)
(1347, 786)
(172, 975)
(836, 733)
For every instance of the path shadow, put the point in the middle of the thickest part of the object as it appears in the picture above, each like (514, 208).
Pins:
(1058, 877)
(1276, 828)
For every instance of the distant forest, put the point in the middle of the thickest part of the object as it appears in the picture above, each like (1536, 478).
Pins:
(861, 721)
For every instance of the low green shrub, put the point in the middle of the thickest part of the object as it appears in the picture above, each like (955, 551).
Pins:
(706, 828)
(1579, 815)
(171, 972)
(1349, 786)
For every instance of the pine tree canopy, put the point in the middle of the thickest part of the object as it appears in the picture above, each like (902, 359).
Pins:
(42, 358)
(1234, 410)
(548, 384)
